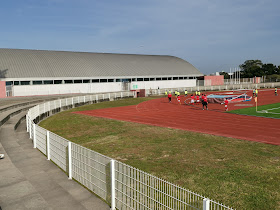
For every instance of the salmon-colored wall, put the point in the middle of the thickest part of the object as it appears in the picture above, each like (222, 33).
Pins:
(215, 80)
(2, 89)
(257, 80)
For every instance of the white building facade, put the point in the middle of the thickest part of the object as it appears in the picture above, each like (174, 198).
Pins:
(36, 72)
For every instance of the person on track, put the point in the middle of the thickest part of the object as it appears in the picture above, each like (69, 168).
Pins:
(186, 93)
(202, 97)
(276, 91)
(256, 92)
(197, 99)
(192, 99)
(198, 93)
(179, 99)
(205, 103)
(226, 104)
(169, 97)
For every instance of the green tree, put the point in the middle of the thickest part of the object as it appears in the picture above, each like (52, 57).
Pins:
(269, 69)
(226, 75)
(251, 68)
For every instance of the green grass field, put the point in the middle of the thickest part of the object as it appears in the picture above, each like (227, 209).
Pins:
(270, 110)
(240, 174)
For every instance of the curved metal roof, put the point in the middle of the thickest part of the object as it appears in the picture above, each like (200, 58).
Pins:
(18, 63)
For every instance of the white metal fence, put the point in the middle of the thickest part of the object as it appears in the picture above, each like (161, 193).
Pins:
(217, 87)
(122, 186)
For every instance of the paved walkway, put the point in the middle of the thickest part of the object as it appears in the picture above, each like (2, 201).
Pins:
(29, 181)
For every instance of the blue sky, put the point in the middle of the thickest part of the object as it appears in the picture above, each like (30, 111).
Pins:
(213, 35)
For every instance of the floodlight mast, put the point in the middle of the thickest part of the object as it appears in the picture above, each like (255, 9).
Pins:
(230, 76)
(235, 72)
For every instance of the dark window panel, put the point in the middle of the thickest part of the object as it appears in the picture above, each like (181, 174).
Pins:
(78, 81)
(48, 82)
(68, 81)
(24, 82)
(37, 82)
(57, 81)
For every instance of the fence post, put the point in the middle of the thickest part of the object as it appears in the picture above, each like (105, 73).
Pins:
(34, 135)
(30, 124)
(27, 126)
(70, 159)
(113, 195)
(103, 97)
(48, 145)
(206, 204)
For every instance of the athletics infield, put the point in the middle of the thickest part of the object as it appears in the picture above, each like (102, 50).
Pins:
(159, 112)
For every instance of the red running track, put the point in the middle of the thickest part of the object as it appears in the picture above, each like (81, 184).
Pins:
(214, 121)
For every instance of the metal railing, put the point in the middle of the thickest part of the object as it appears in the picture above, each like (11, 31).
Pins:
(121, 185)
(216, 88)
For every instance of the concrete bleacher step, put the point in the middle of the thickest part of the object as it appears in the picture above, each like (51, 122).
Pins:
(6, 115)
(28, 179)
(9, 106)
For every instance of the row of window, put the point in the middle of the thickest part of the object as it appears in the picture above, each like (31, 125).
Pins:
(48, 82)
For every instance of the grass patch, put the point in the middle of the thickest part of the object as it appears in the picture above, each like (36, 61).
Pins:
(240, 174)
(270, 110)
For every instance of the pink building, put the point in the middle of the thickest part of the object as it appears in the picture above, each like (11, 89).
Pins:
(2, 89)
(214, 80)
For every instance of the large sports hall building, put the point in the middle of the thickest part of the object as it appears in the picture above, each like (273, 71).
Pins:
(40, 72)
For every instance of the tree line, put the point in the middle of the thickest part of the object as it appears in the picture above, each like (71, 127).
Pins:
(255, 68)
